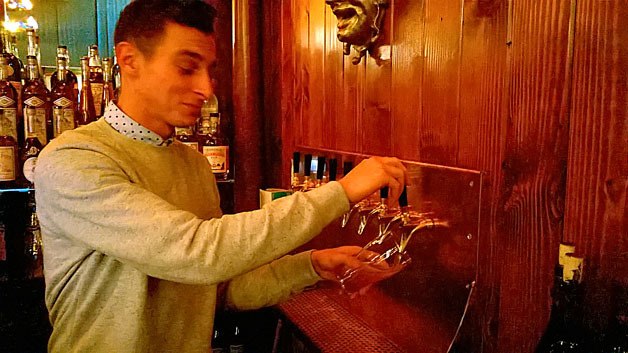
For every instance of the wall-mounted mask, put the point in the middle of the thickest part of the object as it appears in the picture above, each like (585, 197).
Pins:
(359, 24)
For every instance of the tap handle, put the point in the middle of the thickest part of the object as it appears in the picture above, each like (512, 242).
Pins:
(307, 165)
(403, 198)
(296, 159)
(346, 167)
(333, 169)
(320, 168)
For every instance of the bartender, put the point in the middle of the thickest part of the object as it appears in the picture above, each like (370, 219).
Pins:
(135, 244)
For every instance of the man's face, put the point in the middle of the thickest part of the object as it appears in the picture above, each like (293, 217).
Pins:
(355, 20)
(176, 79)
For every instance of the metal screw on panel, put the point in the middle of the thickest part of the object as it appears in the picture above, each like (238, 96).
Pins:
(469, 236)
(471, 183)
(470, 285)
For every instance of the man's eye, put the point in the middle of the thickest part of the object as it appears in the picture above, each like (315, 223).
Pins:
(186, 70)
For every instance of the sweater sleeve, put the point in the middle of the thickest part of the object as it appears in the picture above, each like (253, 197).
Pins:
(86, 197)
(271, 283)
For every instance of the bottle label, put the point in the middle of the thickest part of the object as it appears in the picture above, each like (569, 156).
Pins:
(29, 169)
(63, 102)
(7, 163)
(34, 102)
(236, 348)
(218, 157)
(8, 121)
(35, 123)
(192, 145)
(97, 89)
(62, 120)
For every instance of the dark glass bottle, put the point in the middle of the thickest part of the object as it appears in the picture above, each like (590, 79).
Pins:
(64, 104)
(28, 156)
(86, 113)
(34, 266)
(107, 88)
(70, 77)
(8, 161)
(116, 77)
(15, 73)
(564, 332)
(35, 99)
(96, 78)
(9, 122)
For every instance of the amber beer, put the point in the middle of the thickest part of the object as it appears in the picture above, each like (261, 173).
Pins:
(70, 77)
(35, 98)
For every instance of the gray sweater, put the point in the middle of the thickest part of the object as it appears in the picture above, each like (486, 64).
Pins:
(135, 244)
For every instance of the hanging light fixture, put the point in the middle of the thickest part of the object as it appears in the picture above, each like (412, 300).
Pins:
(18, 6)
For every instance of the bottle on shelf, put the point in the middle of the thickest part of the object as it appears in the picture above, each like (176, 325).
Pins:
(96, 79)
(64, 103)
(9, 122)
(62, 52)
(8, 161)
(116, 77)
(186, 136)
(213, 143)
(4, 263)
(32, 243)
(565, 332)
(13, 73)
(33, 47)
(30, 152)
(35, 100)
(107, 88)
(320, 171)
(86, 113)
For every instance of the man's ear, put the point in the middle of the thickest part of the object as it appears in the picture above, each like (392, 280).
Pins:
(129, 58)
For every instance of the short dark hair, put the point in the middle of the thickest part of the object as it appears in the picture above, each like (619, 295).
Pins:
(142, 22)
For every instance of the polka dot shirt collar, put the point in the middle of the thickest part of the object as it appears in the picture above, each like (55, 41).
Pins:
(125, 125)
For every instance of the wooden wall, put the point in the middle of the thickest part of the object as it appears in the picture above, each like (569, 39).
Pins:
(533, 93)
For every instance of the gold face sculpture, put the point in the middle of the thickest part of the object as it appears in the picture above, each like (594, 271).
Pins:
(359, 23)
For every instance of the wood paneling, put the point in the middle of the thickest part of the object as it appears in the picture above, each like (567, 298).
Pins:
(596, 217)
(485, 85)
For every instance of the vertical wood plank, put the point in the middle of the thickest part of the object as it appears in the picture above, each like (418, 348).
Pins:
(481, 147)
(596, 216)
(408, 62)
(333, 82)
(301, 45)
(376, 120)
(315, 73)
(532, 196)
(439, 121)
(347, 120)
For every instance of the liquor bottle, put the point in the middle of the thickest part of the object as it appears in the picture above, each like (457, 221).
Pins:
(186, 136)
(107, 88)
(116, 77)
(32, 243)
(86, 113)
(64, 103)
(13, 74)
(29, 153)
(96, 78)
(36, 103)
(33, 47)
(8, 161)
(4, 263)
(320, 171)
(295, 182)
(333, 169)
(564, 332)
(236, 341)
(616, 339)
(219, 340)
(215, 146)
(62, 52)
(9, 123)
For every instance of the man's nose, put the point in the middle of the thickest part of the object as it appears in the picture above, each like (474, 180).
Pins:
(204, 87)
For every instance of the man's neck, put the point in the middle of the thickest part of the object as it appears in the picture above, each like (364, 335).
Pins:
(137, 111)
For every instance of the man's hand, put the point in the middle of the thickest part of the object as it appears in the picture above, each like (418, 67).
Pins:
(373, 174)
(333, 263)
